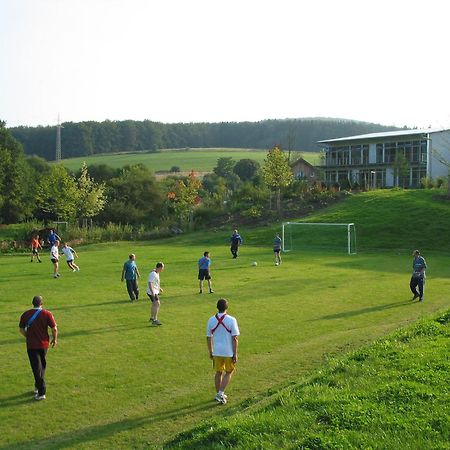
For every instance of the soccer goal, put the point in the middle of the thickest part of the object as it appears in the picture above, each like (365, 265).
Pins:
(326, 236)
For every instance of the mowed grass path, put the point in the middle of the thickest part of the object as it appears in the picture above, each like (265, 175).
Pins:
(199, 160)
(116, 382)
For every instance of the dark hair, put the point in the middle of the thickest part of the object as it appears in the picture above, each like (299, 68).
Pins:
(222, 305)
(206, 254)
(130, 256)
(37, 300)
(160, 264)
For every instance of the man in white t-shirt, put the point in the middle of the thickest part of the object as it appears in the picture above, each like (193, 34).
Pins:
(70, 254)
(54, 258)
(222, 333)
(153, 291)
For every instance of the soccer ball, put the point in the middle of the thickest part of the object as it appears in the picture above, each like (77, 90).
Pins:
(276, 264)
(254, 263)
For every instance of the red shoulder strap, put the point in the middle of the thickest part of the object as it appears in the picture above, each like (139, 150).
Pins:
(220, 322)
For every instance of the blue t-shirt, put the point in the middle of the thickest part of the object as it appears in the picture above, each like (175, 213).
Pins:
(204, 263)
(130, 270)
(277, 242)
(52, 238)
(236, 239)
(419, 264)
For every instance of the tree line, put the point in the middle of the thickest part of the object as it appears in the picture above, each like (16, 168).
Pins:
(88, 138)
(32, 188)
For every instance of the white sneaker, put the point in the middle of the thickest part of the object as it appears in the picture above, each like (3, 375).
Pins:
(221, 399)
(39, 397)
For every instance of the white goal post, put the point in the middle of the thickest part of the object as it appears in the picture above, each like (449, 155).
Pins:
(329, 236)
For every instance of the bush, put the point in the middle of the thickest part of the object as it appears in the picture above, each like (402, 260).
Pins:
(175, 169)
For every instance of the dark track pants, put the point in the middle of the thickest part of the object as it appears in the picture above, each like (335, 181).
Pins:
(417, 282)
(38, 365)
(133, 289)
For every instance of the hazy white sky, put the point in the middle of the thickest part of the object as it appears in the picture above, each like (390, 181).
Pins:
(215, 60)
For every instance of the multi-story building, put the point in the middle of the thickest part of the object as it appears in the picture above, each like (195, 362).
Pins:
(394, 158)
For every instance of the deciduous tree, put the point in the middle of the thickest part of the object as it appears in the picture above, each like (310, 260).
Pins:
(277, 172)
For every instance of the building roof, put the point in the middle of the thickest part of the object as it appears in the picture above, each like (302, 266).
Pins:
(386, 134)
(302, 161)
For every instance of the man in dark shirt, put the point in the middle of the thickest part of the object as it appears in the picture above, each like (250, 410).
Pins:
(236, 241)
(33, 325)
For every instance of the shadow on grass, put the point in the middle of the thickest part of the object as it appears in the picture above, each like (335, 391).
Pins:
(83, 332)
(14, 400)
(93, 433)
(89, 305)
(368, 310)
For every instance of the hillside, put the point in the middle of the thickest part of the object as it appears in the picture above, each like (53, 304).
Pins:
(199, 160)
(89, 138)
(390, 395)
(394, 219)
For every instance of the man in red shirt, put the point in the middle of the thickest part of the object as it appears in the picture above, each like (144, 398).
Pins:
(34, 325)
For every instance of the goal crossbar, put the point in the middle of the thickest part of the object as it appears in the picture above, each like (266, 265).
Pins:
(351, 249)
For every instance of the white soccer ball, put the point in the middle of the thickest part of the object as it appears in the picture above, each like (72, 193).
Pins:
(254, 263)
(276, 264)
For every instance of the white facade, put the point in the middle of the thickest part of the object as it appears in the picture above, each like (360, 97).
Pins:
(395, 158)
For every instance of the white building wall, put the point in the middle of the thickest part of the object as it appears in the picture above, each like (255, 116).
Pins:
(440, 142)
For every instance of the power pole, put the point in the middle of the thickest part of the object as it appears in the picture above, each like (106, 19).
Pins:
(58, 141)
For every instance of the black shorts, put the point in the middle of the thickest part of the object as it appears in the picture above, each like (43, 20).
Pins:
(153, 297)
(35, 251)
(203, 274)
(277, 250)
(53, 260)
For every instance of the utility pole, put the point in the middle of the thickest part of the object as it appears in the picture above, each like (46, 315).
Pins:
(58, 141)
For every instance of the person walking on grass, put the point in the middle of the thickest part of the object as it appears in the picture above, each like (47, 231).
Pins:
(277, 249)
(418, 276)
(54, 258)
(204, 272)
(35, 246)
(34, 325)
(153, 290)
(236, 241)
(130, 273)
(222, 333)
(70, 253)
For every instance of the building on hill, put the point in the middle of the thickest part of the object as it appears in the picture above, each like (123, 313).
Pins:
(303, 170)
(389, 159)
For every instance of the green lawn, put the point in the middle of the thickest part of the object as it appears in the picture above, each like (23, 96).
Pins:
(199, 160)
(116, 382)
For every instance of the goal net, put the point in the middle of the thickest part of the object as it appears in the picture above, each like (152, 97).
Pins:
(325, 236)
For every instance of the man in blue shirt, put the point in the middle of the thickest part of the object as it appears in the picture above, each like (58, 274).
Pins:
(131, 273)
(418, 275)
(53, 237)
(277, 249)
(204, 272)
(236, 241)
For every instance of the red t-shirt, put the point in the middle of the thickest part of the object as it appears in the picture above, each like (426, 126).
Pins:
(37, 333)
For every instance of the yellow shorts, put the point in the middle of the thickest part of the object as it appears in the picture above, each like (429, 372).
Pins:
(223, 363)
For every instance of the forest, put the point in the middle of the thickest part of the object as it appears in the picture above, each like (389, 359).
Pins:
(88, 138)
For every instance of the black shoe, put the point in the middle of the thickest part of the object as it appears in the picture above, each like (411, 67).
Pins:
(211, 291)
(200, 291)
(415, 296)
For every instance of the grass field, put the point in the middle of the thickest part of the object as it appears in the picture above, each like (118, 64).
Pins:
(199, 160)
(116, 382)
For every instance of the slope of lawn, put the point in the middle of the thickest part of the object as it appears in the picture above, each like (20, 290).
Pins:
(390, 395)
(394, 219)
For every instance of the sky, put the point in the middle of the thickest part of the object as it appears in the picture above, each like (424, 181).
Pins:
(224, 61)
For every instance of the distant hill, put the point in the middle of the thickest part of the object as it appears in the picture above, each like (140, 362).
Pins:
(89, 138)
